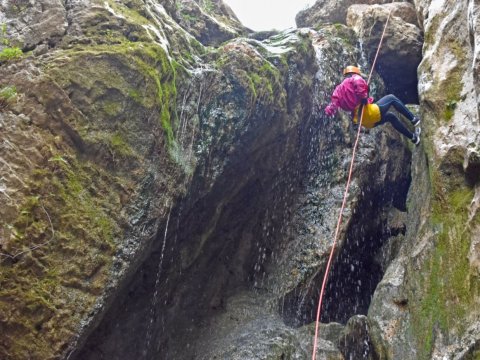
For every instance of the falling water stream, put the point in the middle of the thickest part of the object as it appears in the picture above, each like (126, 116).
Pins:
(155, 297)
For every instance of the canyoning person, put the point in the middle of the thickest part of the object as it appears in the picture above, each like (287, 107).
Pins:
(353, 95)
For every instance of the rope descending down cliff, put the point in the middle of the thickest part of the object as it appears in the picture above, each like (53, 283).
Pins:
(347, 188)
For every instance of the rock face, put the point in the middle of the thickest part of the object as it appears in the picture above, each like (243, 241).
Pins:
(399, 56)
(262, 284)
(30, 23)
(441, 283)
(211, 22)
(326, 11)
(78, 191)
(170, 190)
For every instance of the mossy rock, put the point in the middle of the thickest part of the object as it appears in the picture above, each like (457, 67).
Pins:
(447, 285)
(111, 86)
(61, 247)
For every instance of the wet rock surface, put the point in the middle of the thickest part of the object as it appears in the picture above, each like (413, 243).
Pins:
(399, 56)
(210, 22)
(162, 199)
(354, 342)
(254, 234)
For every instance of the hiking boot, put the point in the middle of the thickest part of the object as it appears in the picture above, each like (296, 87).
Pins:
(416, 136)
(416, 121)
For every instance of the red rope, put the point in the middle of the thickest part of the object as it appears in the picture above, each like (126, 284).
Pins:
(329, 263)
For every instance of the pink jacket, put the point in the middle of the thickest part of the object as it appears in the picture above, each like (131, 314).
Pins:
(348, 94)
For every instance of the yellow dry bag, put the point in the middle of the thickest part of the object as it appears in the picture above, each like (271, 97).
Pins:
(371, 115)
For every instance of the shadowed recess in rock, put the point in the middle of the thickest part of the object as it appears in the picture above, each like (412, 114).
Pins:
(372, 240)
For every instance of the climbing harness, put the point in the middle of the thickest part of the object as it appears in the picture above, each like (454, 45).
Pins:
(337, 231)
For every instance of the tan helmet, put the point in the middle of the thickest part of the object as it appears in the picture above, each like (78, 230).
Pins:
(351, 70)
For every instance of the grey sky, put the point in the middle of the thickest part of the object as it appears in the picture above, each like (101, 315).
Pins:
(268, 14)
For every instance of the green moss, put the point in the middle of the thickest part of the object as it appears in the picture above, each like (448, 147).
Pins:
(284, 61)
(164, 75)
(447, 294)
(10, 54)
(3, 35)
(120, 146)
(304, 47)
(339, 35)
(130, 14)
(101, 27)
(112, 108)
(7, 95)
(68, 187)
(185, 56)
(197, 46)
(189, 18)
(263, 80)
(150, 60)
(251, 85)
(221, 61)
(430, 34)
(63, 241)
(166, 93)
(135, 95)
(71, 187)
(452, 93)
(453, 87)
(345, 34)
(208, 6)
(450, 109)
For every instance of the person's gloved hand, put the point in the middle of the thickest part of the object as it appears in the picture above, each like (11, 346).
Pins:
(370, 100)
(330, 110)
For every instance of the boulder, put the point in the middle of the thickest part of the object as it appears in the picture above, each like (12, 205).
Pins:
(29, 23)
(354, 341)
(329, 11)
(401, 50)
(210, 22)
(388, 315)
(403, 10)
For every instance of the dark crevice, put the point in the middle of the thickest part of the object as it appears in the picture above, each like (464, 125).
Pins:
(401, 82)
(358, 266)
(190, 294)
(354, 276)
(374, 234)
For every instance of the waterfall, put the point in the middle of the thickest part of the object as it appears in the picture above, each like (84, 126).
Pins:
(154, 302)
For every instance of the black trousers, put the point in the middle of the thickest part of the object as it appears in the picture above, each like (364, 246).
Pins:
(385, 104)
